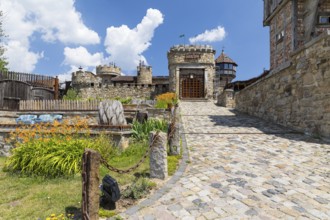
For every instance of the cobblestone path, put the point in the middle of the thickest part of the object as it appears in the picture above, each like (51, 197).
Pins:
(244, 168)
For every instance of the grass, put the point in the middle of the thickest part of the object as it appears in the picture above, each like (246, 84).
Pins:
(33, 198)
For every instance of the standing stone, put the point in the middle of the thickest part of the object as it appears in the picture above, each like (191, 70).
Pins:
(174, 135)
(158, 156)
(111, 112)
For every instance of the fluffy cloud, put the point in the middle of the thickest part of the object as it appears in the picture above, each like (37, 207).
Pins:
(209, 36)
(53, 20)
(19, 57)
(126, 45)
(81, 57)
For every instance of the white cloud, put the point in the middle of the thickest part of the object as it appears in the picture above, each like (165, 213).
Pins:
(19, 57)
(126, 45)
(209, 36)
(81, 57)
(54, 20)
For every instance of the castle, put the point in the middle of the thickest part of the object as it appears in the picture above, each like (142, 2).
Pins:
(194, 73)
(295, 92)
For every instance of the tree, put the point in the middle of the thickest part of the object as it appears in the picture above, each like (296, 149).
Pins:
(71, 94)
(3, 62)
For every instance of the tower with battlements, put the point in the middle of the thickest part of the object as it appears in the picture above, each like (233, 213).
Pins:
(191, 71)
(144, 74)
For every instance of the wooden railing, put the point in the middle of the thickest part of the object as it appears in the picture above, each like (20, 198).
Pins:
(58, 105)
(33, 79)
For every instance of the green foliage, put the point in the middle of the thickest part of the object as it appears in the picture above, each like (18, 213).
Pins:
(107, 213)
(3, 62)
(166, 99)
(172, 163)
(54, 158)
(138, 189)
(71, 94)
(52, 151)
(124, 101)
(141, 130)
(161, 104)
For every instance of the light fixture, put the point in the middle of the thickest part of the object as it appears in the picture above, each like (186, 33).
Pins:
(191, 76)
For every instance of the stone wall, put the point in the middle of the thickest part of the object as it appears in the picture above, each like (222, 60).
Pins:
(112, 91)
(226, 98)
(297, 96)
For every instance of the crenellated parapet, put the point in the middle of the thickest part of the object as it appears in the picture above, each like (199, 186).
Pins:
(187, 54)
(108, 70)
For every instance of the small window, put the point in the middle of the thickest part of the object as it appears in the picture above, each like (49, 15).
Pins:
(324, 19)
(280, 36)
(92, 84)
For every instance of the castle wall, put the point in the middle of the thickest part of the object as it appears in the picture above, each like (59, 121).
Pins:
(111, 91)
(298, 96)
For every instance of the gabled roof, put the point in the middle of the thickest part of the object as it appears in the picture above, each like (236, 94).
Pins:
(223, 58)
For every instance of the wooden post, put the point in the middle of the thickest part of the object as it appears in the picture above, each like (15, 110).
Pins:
(90, 185)
(56, 88)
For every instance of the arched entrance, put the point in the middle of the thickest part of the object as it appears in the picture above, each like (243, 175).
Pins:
(192, 83)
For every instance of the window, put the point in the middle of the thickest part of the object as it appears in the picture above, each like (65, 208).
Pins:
(280, 36)
(324, 19)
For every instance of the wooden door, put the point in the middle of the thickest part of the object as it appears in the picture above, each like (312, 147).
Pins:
(192, 86)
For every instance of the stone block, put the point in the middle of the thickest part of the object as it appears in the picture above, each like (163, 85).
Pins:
(158, 155)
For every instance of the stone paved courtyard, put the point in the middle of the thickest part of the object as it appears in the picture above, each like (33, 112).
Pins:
(241, 167)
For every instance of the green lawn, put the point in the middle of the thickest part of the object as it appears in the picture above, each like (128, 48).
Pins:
(38, 198)
(33, 198)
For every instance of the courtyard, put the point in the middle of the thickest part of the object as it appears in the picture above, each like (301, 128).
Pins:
(241, 167)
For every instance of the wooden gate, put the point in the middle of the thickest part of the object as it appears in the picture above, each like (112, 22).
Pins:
(192, 85)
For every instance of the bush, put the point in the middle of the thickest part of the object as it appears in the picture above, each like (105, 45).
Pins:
(163, 100)
(124, 101)
(53, 150)
(138, 189)
(141, 130)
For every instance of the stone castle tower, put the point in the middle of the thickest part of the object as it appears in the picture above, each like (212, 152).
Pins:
(225, 69)
(191, 71)
(293, 23)
(144, 74)
(107, 72)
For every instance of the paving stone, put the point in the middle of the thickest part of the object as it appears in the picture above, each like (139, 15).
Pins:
(251, 212)
(243, 168)
(322, 200)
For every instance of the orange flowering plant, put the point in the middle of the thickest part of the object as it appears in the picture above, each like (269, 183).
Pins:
(52, 150)
(165, 99)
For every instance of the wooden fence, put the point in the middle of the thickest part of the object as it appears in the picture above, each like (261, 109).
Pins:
(58, 105)
(33, 79)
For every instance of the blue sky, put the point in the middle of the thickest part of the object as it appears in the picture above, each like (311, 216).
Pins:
(54, 37)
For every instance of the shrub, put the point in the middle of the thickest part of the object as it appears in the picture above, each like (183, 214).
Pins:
(71, 94)
(138, 189)
(141, 130)
(123, 101)
(53, 150)
(163, 100)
